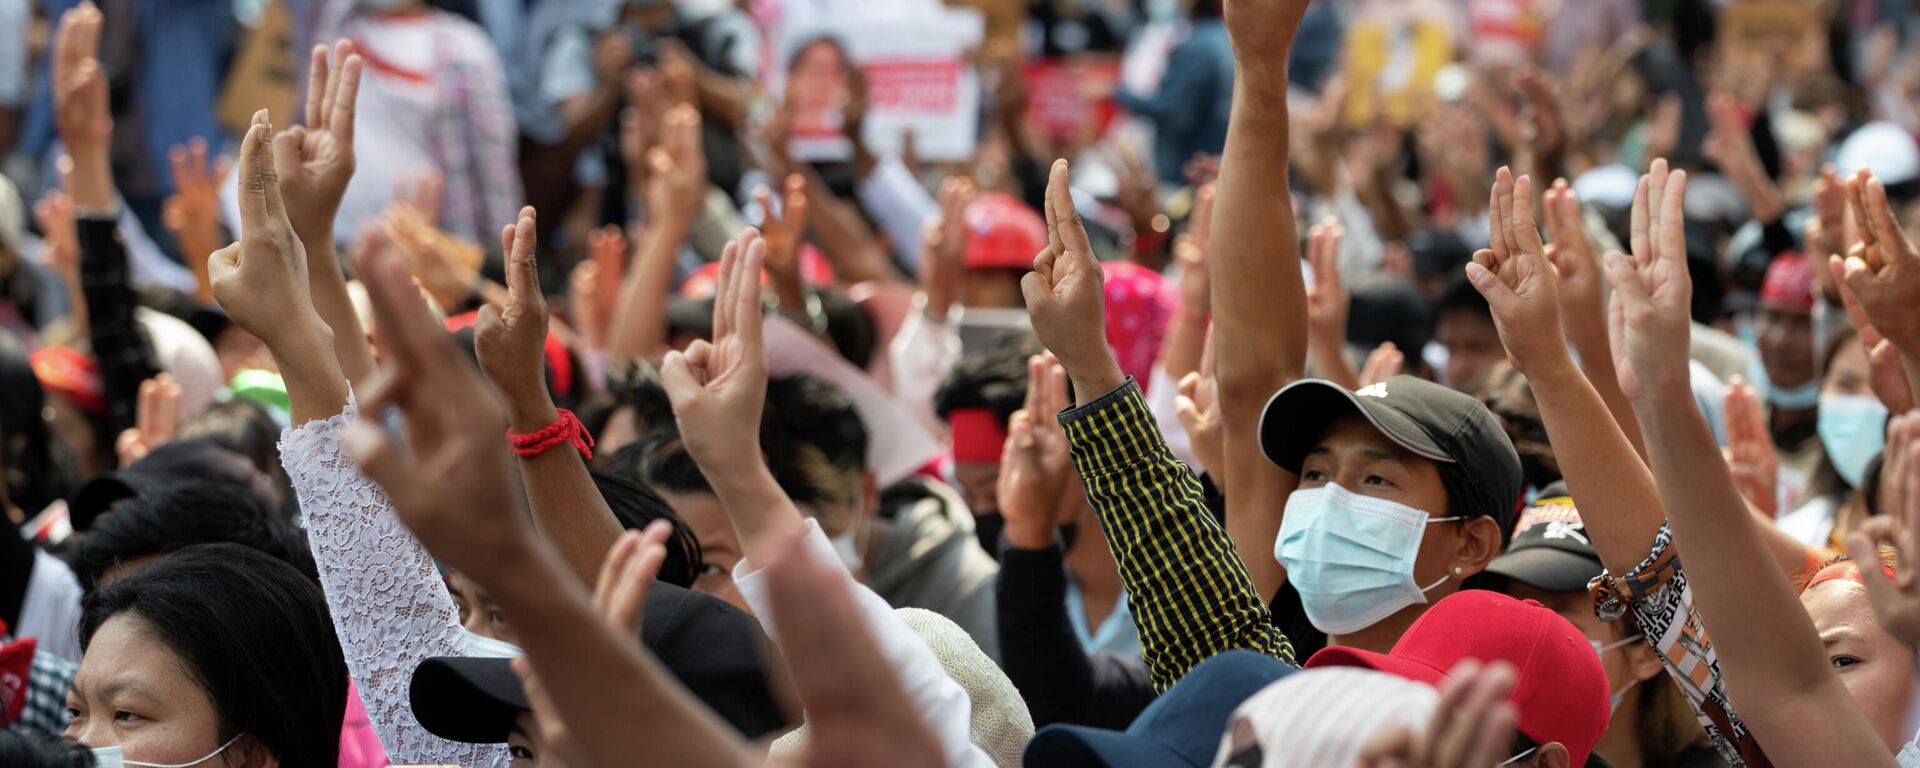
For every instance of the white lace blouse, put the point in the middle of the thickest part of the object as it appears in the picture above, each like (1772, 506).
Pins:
(390, 608)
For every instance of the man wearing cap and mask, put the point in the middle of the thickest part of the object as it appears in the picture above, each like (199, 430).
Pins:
(1785, 372)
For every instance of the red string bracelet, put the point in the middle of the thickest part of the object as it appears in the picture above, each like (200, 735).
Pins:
(565, 429)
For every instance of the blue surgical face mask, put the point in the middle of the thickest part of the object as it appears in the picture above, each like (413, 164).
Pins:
(1798, 398)
(112, 757)
(1853, 429)
(1351, 557)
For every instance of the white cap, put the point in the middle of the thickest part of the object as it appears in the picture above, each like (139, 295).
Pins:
(1324, 716)
(1608, 185)
(1885, 149)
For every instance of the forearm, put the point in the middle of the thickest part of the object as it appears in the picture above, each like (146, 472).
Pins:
(723, 98)
(763, 516)
(328, 286)
(586, 115)
(1188, 589)
(847, 240)
(1185, 344)
(1330, 361)
(91, 183)
(1768, 649)
(316, 389)
(1611, 484)
(567, 507)
(112, 331)
(196, 247)
(640, 323)
(1257, 286)
(597, 677)
(1596, 359)
(1041, 655)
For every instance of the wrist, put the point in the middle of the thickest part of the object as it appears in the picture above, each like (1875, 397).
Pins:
(530, 410)
(92, 188)
(1023, 534)
(1091, 380)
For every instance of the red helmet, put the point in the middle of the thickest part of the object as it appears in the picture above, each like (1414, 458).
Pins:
(1003, 233)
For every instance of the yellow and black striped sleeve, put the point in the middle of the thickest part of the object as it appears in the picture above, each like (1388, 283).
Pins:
(1188, 591)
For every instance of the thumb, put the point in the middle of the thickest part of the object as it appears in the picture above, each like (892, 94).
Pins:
(286, 149)
(1499, 296)
(679, 380)
(225, 260)
(487, 322)
(1863, 547)
(1037, 291)
(370, 448)
(1627, 289)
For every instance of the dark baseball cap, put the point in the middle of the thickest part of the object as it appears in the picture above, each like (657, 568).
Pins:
(714, 649)
(199, 459)
(1429, 420)
(1180, 728)
(1550, 548)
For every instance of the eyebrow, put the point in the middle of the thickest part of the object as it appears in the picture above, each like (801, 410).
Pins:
(1837, 636)
(517, 730)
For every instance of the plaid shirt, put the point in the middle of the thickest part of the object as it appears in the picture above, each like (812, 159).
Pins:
(47, 684)
(1188, 592)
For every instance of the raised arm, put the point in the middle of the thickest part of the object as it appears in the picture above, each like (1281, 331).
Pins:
(1883, 272)
(315, 161)
(1615, 490)
(1583, 305)
(676, 187)
(718, 390)
(510, 342)
(1767, 647)
(453, 488)
(1258, 293)
(1187, 589)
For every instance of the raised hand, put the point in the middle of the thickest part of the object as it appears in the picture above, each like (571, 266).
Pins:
(1547, 124)
(1066, 297)
(1384, 362)
(192, 213)
(1583, 293)
(1883, 270)
(1750, 455)
(1198, 408)
(943, 248)
(1730, 146)
(453, 485)
(1035, 463)
(1472, 727)
(1196, 282)
(510, 340)
(81, 113)
(448, 267)
(1262, 32)
(1648, 319)
(677, 170)
(54, 213)
(1886, 374)
(261, 281)
(1327, 302)
(156, 420)
(1827, 230)
(785, 229)
(1895, 601)
(626, 574)
(1517, 279)
(718, 389)
(593, 288)
(316, 160)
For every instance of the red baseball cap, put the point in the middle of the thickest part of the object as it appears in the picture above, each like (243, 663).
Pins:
(1003, 233)
(1561, 693)
(1789, 281)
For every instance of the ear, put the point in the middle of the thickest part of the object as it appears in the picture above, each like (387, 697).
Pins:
(1643, 661)
(248, 752)
(1552, 755)
(1480, 543)
(869, 493)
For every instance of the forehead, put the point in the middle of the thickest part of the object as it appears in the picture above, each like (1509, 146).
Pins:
(1836, 605)
(1352, 433)
(706, 517)
(126, 650)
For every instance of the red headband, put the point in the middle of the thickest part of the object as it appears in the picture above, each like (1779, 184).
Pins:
(1845, 570)
(978, 435)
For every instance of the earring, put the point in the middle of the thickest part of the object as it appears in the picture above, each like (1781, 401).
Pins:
(1456, 570)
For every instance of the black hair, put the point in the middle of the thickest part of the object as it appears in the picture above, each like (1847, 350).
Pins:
(36, 468)
(814, 442)
(174, 517)
(1459, 296)
(246, 428)
(256, 636)
(995, 377)
(21, 749)
(637, 506)
(630, 384)
(1509, 395)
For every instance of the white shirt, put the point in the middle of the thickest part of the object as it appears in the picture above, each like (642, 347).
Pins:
(50, 611)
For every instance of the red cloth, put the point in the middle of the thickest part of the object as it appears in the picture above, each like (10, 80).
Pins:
(558, 363)
(1789, 281)
(978, 435)
(1845, 570)
(1561, 694)
(72, 374)
(1003, 233)
(1140, 304)
(16, 673)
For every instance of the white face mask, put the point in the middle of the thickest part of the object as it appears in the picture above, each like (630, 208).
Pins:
(1601, 651)
(113, 757)
(1351, 557)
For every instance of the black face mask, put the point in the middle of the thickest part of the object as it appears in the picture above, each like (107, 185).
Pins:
(1246, 758)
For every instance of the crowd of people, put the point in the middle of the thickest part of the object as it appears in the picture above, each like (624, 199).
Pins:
(1242, 431)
